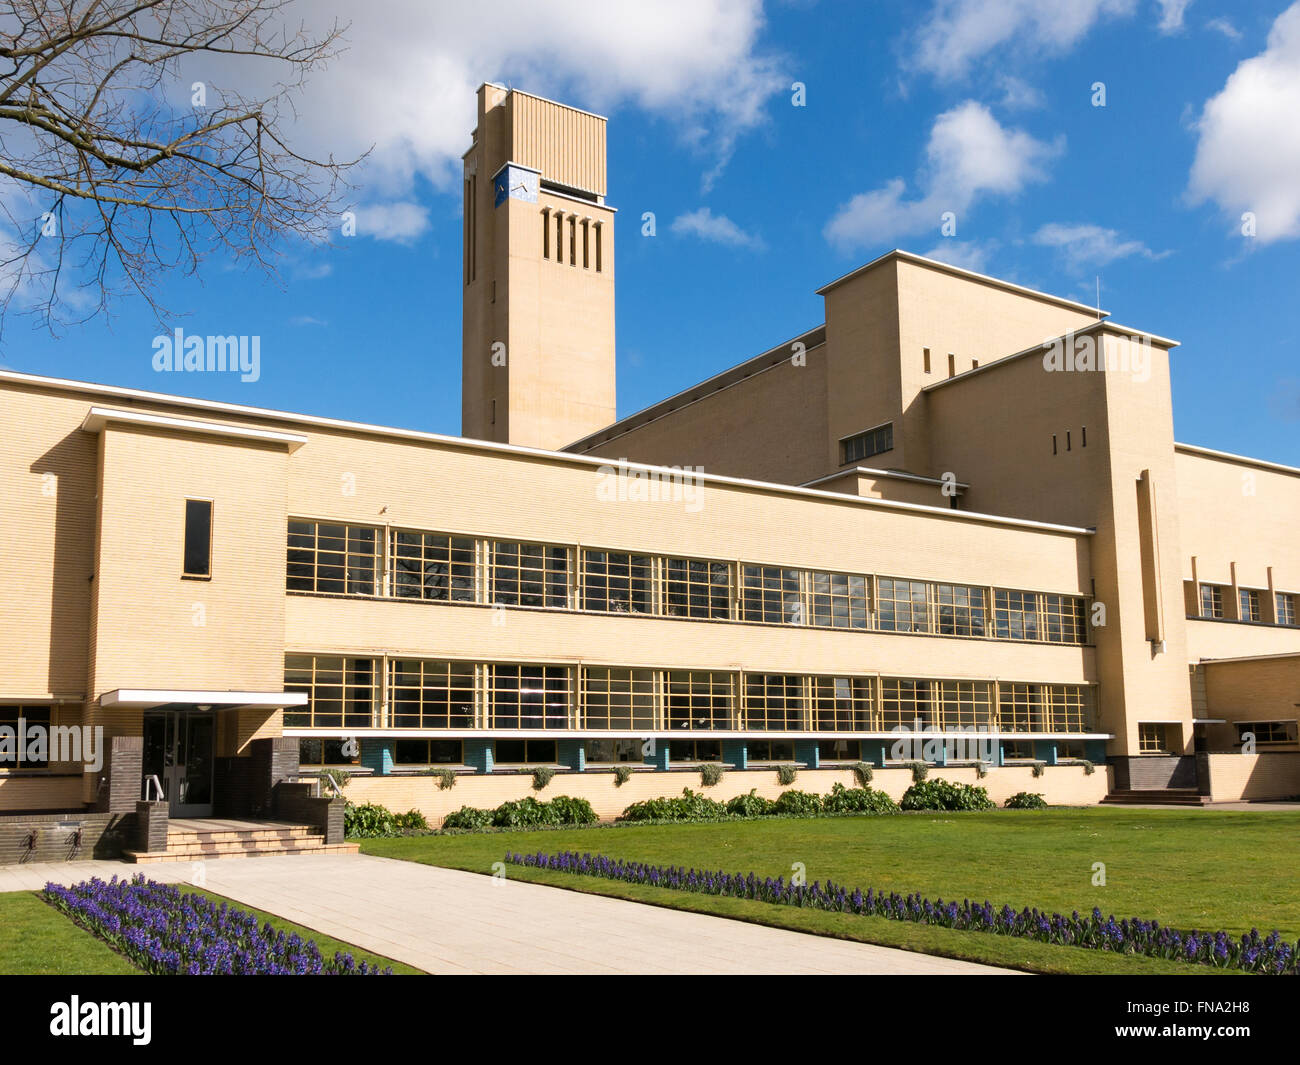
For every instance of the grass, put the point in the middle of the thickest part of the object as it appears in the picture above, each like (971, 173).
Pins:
(38, 940)
(1191, 869)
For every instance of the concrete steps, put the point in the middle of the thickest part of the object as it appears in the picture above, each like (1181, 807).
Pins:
(222, 841)
(1156, 797)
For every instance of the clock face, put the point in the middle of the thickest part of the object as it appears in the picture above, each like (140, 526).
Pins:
(515, 183)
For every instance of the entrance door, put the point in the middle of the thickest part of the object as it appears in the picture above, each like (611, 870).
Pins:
(178, 747)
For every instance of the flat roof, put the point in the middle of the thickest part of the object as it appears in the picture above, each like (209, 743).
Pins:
(957, 271)
(562, 457)
(1227, 456)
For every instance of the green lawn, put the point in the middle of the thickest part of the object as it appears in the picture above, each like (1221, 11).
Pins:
(1195, 868)
(37, 940)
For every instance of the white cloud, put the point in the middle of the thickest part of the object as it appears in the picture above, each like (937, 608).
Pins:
(969, 156)
(306, 319)
(719, 229)
(957, 34)
(1083, 245)
(1222, 25)
(1018, 94)
(1171, 15)
(968, 254)
(1248, 151)
(401, 221)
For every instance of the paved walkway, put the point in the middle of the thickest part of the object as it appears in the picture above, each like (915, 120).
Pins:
(448, 921)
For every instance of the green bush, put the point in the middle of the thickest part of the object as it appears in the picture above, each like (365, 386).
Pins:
(338, 778)
(622, 774)
(750, 805)
(919, 771)
(573, 811)
(861, 773)
(799, 803)
(542, 776)
(710, 773)
(786, 774)
(369, 820)
(981, 769)
(1088, 768)
(844, 800)
(467, 817)
(524, 813)
(1040, 768)
(943, 795)
(446, 777)
(412, 820)
(689, 806)
(1026, 800)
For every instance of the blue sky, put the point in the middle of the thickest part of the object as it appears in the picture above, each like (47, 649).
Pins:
(982, 107)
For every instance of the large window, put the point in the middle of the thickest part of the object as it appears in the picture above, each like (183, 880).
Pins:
(839, 600)
(694, 588)
(698, 700)
(1286, 608)
(839, 750)
(1020, 708)
(771, 594)
(961, 610)
(617, 582)
(774, 701)
(197, 561)
(906, 704)
(523, 752)
(872, 442)
(529, 574)
(324, 557)
(1151, 738)
(24, 754)
(612, 752)
(428, 752)
(1211, 600)
(1064, 619)
(901, 606)
(1015, 615)
(433, 566)
(1250, 605)
(529, 696)
(615, 698)
(770, 750)
(317, 753)
(1267, 733)
(341, 692)
(431, 694)
(842, 704)
(695, 750)
(963, 704)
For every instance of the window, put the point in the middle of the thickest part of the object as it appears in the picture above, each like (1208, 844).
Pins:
(770, 750)
(695, 751)
(1072, 749)
(1015, 615)
(839, 600)
(901, 606)
(771, 594)
(1066, 708)
(1017, 750)
(616, 698)
(617, 582)
(529, 574)
(1249, 600)
(341, 692)
(428, 752)
(1064, 619)
(905, 704)
(697, 589)
(610, 752)
(1151, 738)
(925, 359)
(324, 752)
(431, 694)
(433, 566)
(961, 610)
(197, 560)
(871, 442)
(1267, 733)
(773, 701)
(1285, 608)
(839, 750)
(697, 700)
(523, 752)
(963, 704)
(841, 704)
(1020, 708)
(546, 232)
(529, 697)
(599, 263)
(324, 557)
(24, 751)
(1211, 601)
(952, 364)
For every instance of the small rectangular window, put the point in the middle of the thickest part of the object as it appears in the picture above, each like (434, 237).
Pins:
(598, 260)
(1083, 436)
(872, 442)
(952, 364)
(1053, 443)
(198, 538)
(925, 358)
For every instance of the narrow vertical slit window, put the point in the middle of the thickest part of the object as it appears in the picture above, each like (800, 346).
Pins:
(198, 538)
(1083, 436)
(598, 233)
(952, 364)
(546, 232)
(925, 359)
(1053, 443)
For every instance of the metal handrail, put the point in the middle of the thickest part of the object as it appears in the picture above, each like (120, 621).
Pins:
(152, 778)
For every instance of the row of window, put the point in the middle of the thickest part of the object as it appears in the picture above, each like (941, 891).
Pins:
(1250, 604)
(441, 567)
(573, 239)
(432, 694)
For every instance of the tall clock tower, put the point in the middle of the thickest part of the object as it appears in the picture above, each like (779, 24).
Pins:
(537, 362)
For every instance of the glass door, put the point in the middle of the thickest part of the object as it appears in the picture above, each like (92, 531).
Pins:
(178, 750)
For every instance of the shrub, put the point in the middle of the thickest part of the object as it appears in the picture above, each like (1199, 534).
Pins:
(861, 773)
(622, 774)
(467, 817)
(411, 821)
(750, 805)
(944, 795)
(1039, 768)
(1026, 800)
(542, 776)
(710, 773)
(689, 806)
(844, 800)
(786, 774)
(524, 813)
(1088, 768)
(919, 771)
(336, 778)
(571, 811)
(799, 803)
(369, 820)
(445, 776)
(981, 769)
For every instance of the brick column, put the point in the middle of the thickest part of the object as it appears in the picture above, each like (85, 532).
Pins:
(123, 775)
(151, 826)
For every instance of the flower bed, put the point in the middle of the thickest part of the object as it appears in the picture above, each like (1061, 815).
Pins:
(1251, 952)
(166, 932)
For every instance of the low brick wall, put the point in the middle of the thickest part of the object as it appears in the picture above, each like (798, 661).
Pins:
(1066, 785)
(103, 835)
(295, 802)
(40, 791)
(1235, 777)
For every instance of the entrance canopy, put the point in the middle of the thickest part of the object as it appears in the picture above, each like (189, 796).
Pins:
(164, 698)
